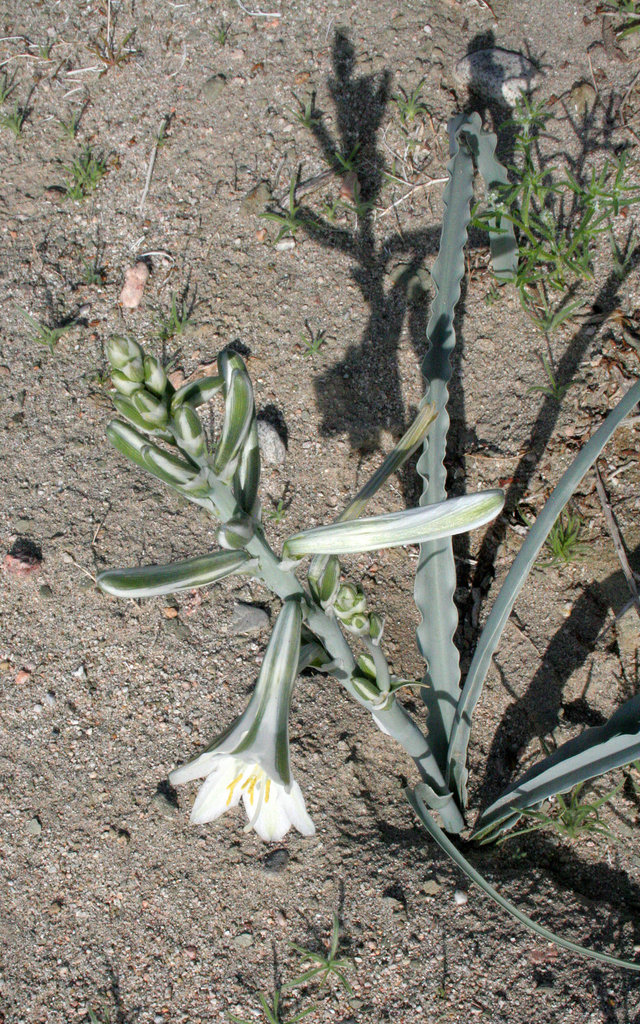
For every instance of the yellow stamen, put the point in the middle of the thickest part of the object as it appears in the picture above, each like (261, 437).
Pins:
(267, 790)
(231, 787)
(250, 785)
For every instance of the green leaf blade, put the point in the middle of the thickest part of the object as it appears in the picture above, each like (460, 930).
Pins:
(156, 580)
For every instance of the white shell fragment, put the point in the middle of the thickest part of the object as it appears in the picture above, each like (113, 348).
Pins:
(497, 75)
(135, 279)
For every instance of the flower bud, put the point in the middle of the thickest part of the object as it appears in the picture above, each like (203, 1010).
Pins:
(154, 375)
(236, 532)
(367, 665)
(188, 432)
(124, 384)
(151, 409)
(324, 579)
(376, 627)
(349, 600)
(358, 623)
(121, 351)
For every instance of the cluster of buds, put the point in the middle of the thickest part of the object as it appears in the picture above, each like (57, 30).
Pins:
(350, 607)
(149, 403)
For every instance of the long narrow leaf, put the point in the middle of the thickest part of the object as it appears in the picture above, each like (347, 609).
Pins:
(597, 750)
(452, 851)
(458, 515)
(154, 580)
(515, 580)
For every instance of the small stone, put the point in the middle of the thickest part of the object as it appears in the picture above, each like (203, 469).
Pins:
(34, 827)
(285, 245)
(460, 897)
(272, 447)
(582, 98)
(170, 612)
(5, 666)
(275, 862)
(280, 918)
(177, 628)
(248, 618)
(50, 698)
(22, 676)
(213, 87)
(37, 708)
(497, 75)
(431, 887)
(261, 235)
(54, 908)
(255, 201)
(46, 591)
(243, 940)
(80, 672)
(161, 803)
(135, 279)
(394, 905)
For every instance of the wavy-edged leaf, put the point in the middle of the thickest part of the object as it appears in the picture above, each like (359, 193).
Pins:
(502, 239)
(515, 580)
(168, 467)
(435, 580)
(238, 415)
(458, 858)
(596, 751)
(457, 515)
(131, 443)
(154, 580)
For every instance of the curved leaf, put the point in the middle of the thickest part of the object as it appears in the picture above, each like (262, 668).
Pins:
(457, 515)
(153, 580)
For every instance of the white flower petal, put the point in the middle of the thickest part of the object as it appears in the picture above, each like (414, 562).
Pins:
(198, 768)
(294, 805)
(217, 793)
(271, 822)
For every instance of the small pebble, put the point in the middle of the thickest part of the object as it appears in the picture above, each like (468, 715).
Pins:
(213, 87)
(460, 897)
(431, 887)
(255, 201)
(582, 98)
(34, 828)
(272, 447)
(285, 245)
(22, 676)
(50, 698)
(243, 940)
(248, 618)
(163, 806)
(497, 75)
(80, 672)
(135, 279)
(276, 861)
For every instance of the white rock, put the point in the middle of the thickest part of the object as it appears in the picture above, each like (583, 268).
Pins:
(460, 897)
(285, 244)
(497, 75)
(272, 447)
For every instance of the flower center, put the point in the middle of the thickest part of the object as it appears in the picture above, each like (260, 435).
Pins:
(253, 777)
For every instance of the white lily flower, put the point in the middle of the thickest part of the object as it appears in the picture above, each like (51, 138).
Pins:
(250, 760)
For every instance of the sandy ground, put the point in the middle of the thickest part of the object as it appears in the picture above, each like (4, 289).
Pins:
(110, 900)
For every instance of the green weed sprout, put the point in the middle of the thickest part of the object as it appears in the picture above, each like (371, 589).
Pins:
(410, 105)
(290, 222)
(323, 965)
(570, 818)
(43, 335)
(553, 389)
(222, 34)
(70, 128)
(306, 114)
(272, 1013)
(563, 543)
(313, 341)
(177, 321)
(86, 172)
(7, 85)
(14, 120)
(278, 512)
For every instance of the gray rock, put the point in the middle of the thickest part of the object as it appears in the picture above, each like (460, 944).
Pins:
(582, 98)
(276, 862)
(34, 828)
(272, 447)
(163, 806)
(285, 244)
(394, 905)
(46, 591)
(496, 75)
(213, 87)
(255, 201)
(431, 887)
(243, 940)
(248, 618)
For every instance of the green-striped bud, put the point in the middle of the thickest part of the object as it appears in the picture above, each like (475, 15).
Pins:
(350, 600)
(188, 431)
(357, 623)
(197, 392)
(324, 578)
(127, 409)
(121, 351)
(154, 376)
(367, 665)
(236, 532)
(124, 384)
(153, 412)
(369, 692)
(376, 627)
(172, 469)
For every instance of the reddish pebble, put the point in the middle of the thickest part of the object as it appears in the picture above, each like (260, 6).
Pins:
(135, 279)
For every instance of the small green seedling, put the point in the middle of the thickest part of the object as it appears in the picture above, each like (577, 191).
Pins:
(44, 49)
(70, 128)
(553, 389)
(104, 1019)
(85, 174)
(93, 273)
(222, 34)
(570, 817)
(43, 335)
(410, 105)
(272, 1013)
(306, 114)
(347, 163)
(14, 120)
(323, 965)
(178, 319)
(313, 341)
(6, 87)
(113, 56)
(289, 222)
(278, 512)
(563, 543)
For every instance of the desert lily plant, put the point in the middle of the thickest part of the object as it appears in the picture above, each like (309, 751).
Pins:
(326, 623)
